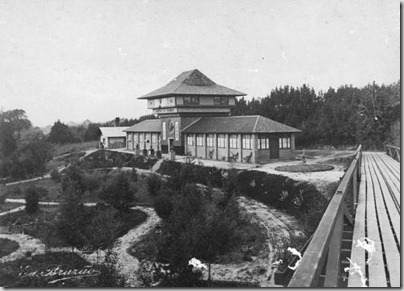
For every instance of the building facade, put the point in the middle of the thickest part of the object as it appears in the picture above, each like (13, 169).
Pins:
(113, 137)
(194, 118)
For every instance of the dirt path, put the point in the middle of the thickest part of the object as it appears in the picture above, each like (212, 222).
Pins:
(261, 269)
(126, 264)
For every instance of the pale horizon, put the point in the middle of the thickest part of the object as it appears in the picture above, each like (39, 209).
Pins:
(75, 60)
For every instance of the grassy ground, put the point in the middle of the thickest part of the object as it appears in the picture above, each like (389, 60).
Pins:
(7, 247)
(18, 191)
(305, 168)
(53, 192)
(72, 148)
(252, 235)
(10, 271)
(8, 206)
(41, 225)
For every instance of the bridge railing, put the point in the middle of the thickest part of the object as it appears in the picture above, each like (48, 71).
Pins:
(324, 250)
(393, 151)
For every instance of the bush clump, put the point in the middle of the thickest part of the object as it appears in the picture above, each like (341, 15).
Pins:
(31, 200)
(300, 199)
(55, 175)
(190, 173)
(109, 159)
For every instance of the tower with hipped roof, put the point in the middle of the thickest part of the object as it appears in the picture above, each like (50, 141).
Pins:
(194, 118)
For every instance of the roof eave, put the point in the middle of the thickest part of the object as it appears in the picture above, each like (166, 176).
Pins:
(145, 97)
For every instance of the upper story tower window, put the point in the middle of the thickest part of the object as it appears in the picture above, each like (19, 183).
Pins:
(221, 100)
(191, 100)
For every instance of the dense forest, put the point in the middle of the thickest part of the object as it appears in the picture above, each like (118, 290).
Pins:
(344, 117)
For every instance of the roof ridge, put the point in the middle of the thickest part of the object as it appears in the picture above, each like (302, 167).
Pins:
(192, 123)
(256, 122)
(180, 83)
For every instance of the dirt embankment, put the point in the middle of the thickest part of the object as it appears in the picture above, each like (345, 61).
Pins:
(261, 268)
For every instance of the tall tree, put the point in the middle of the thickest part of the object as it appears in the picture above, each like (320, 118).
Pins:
(18, 120)
(60, 133)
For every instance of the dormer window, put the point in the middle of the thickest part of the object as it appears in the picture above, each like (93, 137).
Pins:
(191, 100)
(221, 100)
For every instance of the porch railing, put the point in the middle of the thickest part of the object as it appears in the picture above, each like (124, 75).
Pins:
(393, 151)
(324, 250)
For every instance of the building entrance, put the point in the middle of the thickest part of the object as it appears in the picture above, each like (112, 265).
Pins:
(274, 148)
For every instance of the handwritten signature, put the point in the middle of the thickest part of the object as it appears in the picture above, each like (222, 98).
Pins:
(57, 271)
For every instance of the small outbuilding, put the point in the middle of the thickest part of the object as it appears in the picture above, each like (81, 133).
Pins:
(113, 137)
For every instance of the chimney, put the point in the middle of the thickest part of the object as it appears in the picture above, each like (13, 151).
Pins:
(117, 121)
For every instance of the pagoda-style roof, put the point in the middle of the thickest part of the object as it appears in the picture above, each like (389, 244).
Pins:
(238, 124)
(192, 83)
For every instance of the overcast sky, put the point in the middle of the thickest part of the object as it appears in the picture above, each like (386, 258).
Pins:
(90, 59)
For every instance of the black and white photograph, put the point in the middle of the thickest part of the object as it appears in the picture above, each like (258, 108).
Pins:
(200, 143)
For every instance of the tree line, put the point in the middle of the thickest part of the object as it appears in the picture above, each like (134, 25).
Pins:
(341, 117)
(25, 149)
(62, 133)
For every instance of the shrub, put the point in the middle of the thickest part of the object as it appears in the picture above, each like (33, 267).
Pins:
(12, 191)
(74, 177)
(2, 199)
(31, 200)
(55, 175)
(190, 173)
(93, 181)
(118, 192)
(73, 217)
(154, 184)
(103, 229)
(163, 206)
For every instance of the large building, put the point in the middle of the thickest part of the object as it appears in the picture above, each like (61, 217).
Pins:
(194, 118)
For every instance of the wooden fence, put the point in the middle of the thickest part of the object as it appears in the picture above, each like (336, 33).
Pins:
(323, 254)
(393, 151)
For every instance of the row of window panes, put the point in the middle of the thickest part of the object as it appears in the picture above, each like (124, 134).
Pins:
(154, 137)
(191, 100)
(263, 143)
(284, 143)
(221, 140)
(220, 100)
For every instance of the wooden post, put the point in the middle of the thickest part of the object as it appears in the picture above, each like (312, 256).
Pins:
(333, 269)
(355, 187)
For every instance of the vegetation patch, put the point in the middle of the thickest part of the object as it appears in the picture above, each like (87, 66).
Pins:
(49, 190)
(251, 236)
(70, 148)
(109, 159)
(190, 173)
(7, 247)
(300, 199)
(305, 168)
(43, 224)
(9, 206)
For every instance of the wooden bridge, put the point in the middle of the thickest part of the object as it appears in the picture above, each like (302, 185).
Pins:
(357, 242)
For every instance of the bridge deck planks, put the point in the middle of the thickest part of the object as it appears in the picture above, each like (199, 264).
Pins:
(359, 255)
(392, 182)
(377, 218)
